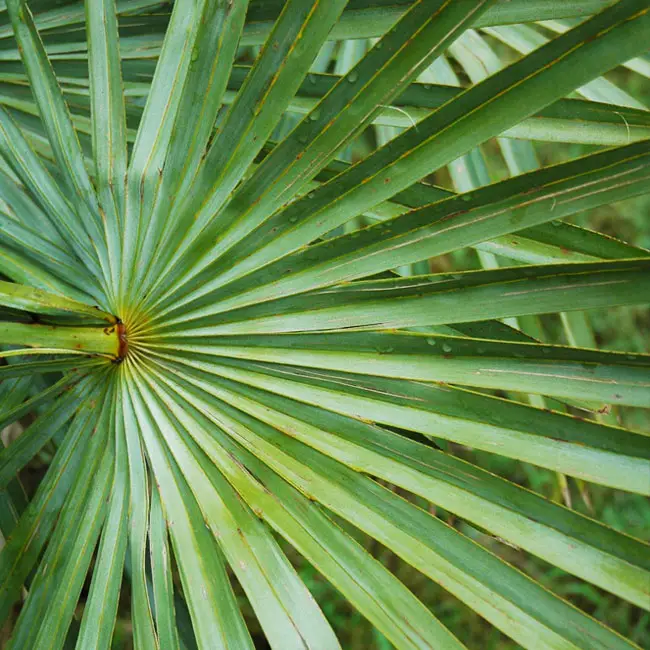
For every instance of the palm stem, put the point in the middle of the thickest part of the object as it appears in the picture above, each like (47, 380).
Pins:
(92, 340)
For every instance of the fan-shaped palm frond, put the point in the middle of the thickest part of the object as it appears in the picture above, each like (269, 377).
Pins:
(230, 337)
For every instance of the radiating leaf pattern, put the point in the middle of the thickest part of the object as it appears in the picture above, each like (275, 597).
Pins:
(231, 336)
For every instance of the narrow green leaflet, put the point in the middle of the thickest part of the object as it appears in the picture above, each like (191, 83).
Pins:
(26, 368)
(13, 502)
(71, 14)
(583, 241)
(216, 618)
(127, 433)
(492, 106)
(62, 604)
(50, 259)
(39, 302)
(212, 58)
(27, 227)
(24, 270)
(594, 452)
(48, 611)
(187, 74)
(55, 113)
(557, 241)
(280, 600)
(438, 300)
(424, 31)
(58, 125)
(24, 545)
(154, 135)
(108, 121)
(610, 378)
(521, 608)
(359, 20)
(161, 572)
(501, 507)
(278, 71)
(13, 392)
(22, 409)
(22, 450)
(27, 540)
(32, 172)
(524, 39)
(100, 612)
(465, 220)
(565, 120)
(401, 617)
(364, 20)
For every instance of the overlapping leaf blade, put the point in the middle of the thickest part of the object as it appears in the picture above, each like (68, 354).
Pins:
(492, 106)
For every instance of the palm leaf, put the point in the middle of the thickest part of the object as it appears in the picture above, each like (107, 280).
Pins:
(224, 323)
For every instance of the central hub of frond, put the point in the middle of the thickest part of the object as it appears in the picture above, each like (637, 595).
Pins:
(123, 341)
